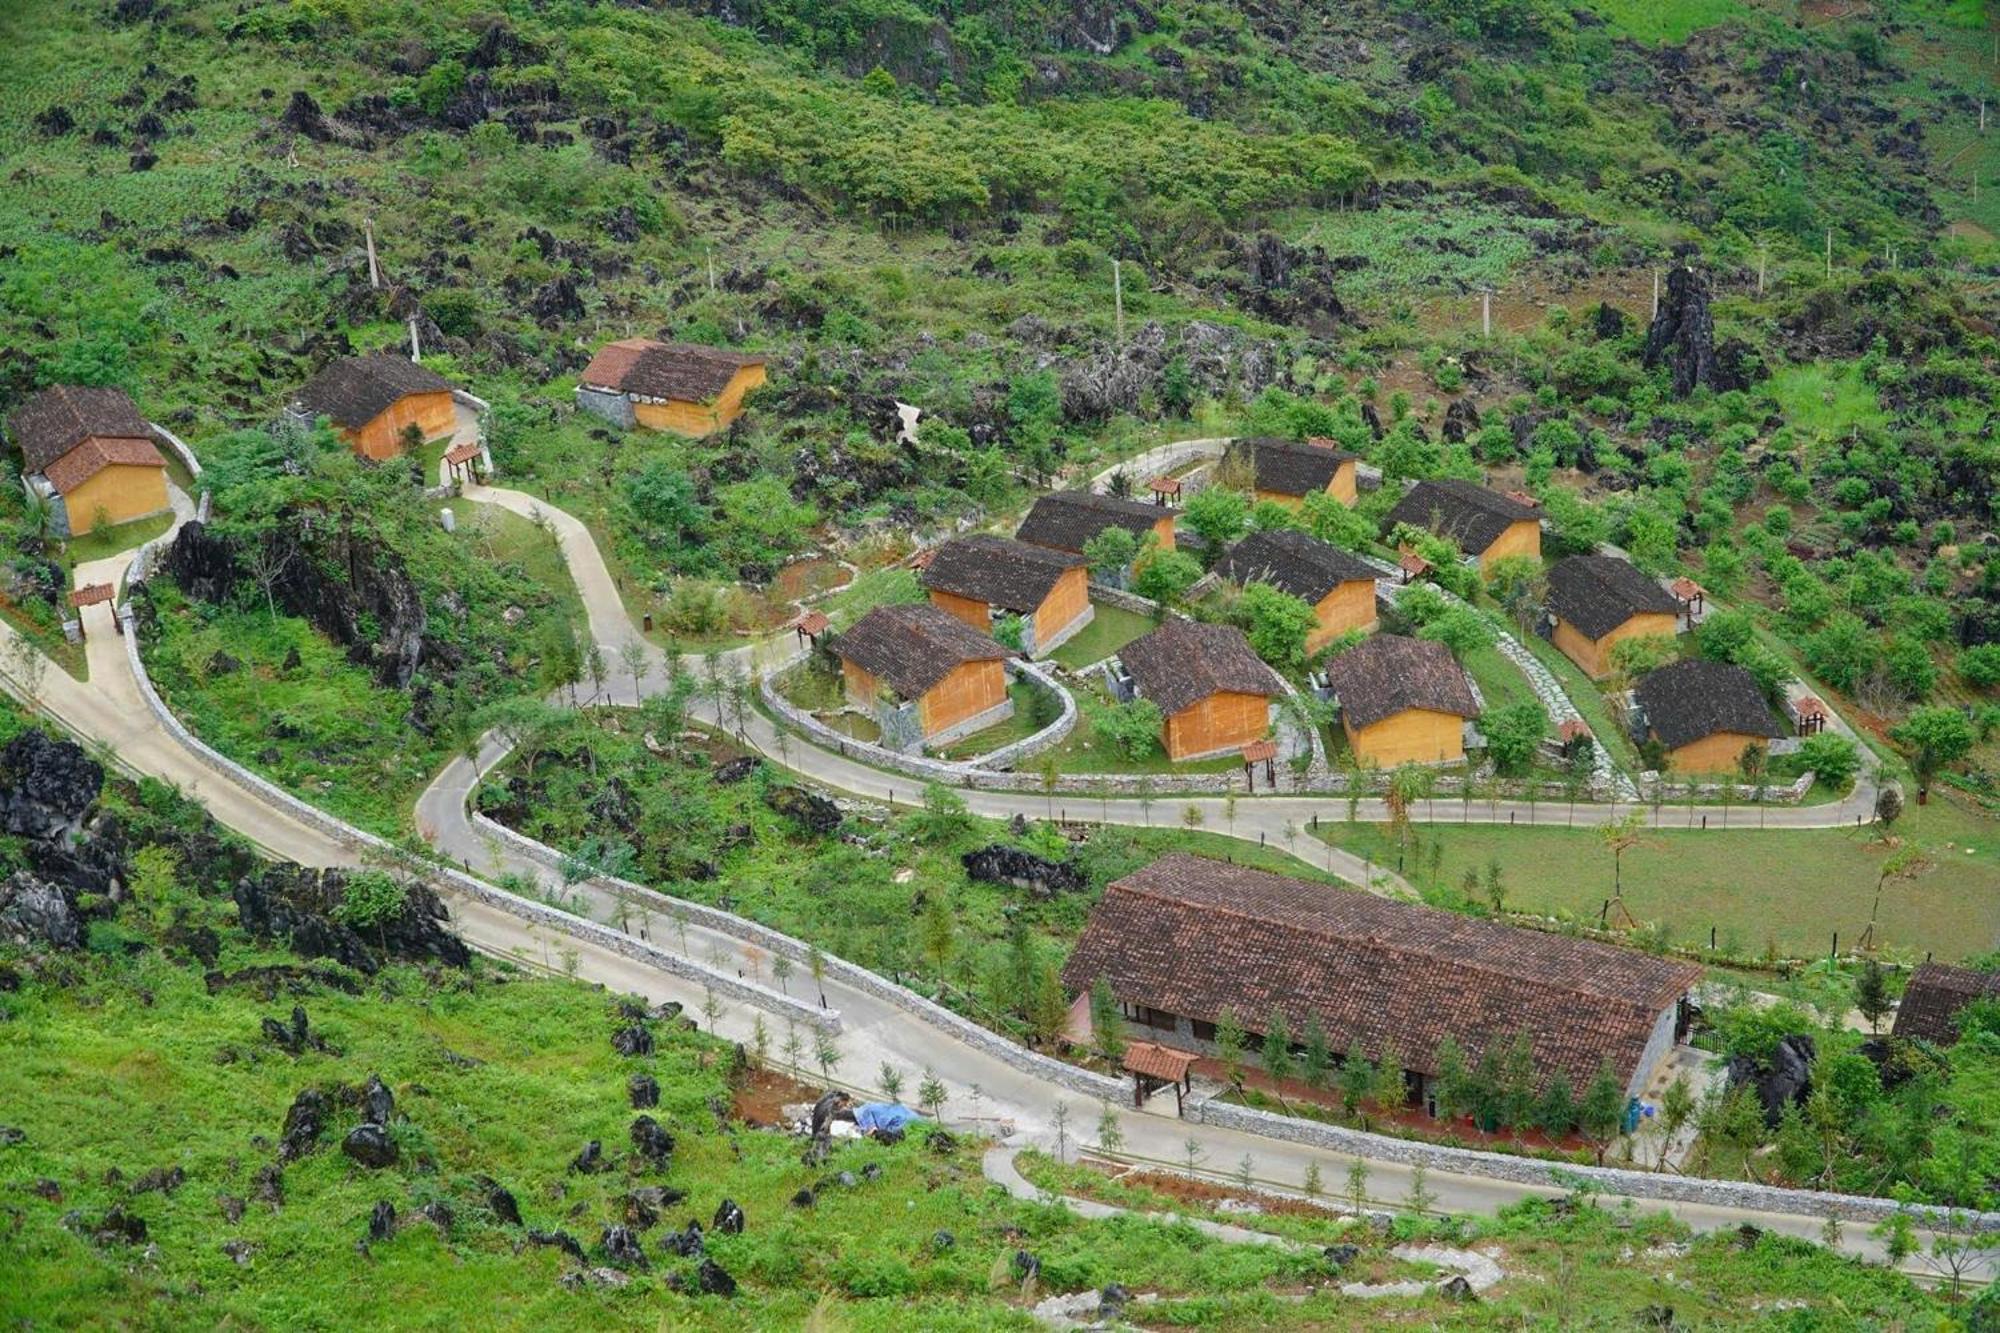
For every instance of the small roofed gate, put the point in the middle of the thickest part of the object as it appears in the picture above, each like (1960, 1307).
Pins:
(431, 413)
(1218, 724)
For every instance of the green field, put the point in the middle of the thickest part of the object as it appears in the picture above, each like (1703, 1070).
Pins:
(1110, 629)
(1757, 888)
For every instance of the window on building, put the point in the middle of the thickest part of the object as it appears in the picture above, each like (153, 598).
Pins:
(1147, 1016)
(1203, 1031)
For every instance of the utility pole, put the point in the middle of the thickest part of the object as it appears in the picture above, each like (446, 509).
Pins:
(1829, 252)
(374, 272)
(1118, 299)
(1486, 312)
(1763, 257)
(416, 348)
(710, 252)
(1656, 293)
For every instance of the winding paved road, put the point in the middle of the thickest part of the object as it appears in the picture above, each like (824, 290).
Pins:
(109, 710)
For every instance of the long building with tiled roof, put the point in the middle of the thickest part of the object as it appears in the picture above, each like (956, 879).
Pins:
(1186, 938)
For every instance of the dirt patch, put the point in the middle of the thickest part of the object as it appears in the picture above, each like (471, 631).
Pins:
(1970, 231)
(808, 578)
(764, 1093)
(1524, 304)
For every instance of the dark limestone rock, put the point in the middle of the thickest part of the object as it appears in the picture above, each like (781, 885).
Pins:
(622, 1248)
(1608, 321)
(644, 1090)
(370, 1145)
(1027, 1267)
(1683, 336)
(378, 1104)
(438, 1213)
(728, 1218)
(222, 664)
(232, 1207)
(269, 1184)
(160, 1180)
(239, 1250)
(805, 1198)
(382, 1220)
(632, 1041)
(1458, 1290)
(304, 1123)
(1461, 421)
(650, 1141)
(201, 564)
(1112, 1300)
(13, 1134)
(872, 1172)
(811, 811)
(1000, 864)
(1338, 1257)
(500, 1201)
(942, 1241)
(38, 914)
(298, 903)
(117, 1227)
(831, 1106)
(709, 1280)
(46, 787)
(943, 1142)
(303, 116)
(560, 1240)
(686, 1243)
(590, 1161)
(732, 771)
(1784, 1080)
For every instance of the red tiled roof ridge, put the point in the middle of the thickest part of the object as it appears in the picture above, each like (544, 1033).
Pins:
(1472, 964)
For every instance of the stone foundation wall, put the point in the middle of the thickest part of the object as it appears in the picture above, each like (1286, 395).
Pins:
(615, 408)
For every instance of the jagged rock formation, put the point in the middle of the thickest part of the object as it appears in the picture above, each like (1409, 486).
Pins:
(1683, 337)
(999, 864)
(298, 904)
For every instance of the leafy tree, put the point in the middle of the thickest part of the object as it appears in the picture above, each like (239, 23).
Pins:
(370, 898)
(940, 931)
(1934, 736)
(665, 510)
(1454, 1080)
(1912, 670)
(1979, 665)
(1335, 523)
(1217, 515)
(1634, 659)
(1871, 994)
(1460, 629)
(1514, 735)
(1833, 758)
(1277, 1046)
(1601, 1114)
(1517, 583)
(1318, 1058)
(1164, 576)
(1106, 1024)
(1229, 1044)
(1131, 728)
(1279, 625)
(1555, 1113)
(1391, 1088)
(1111, 553)
(1358, 1080)
(943, 817)
(1842, 652)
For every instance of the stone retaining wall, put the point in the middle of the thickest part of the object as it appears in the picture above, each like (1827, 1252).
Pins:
(774, 942)
(963, 772)
(179, 449)
(1557, 1175)
(363, 843)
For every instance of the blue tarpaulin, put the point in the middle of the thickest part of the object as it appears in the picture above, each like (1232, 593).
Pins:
(872, 1116)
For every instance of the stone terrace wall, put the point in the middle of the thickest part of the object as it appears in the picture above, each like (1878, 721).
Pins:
(1556, 1175)
(362, 842)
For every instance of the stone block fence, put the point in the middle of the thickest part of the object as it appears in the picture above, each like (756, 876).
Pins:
(958, 771)
(363, 844)
(1663, 1186)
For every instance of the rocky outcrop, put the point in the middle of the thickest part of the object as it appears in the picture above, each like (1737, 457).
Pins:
(1785, 1079)
(299, 905)
(370, 1145)
(1000, 864)
(809, 809)
(1682, 337)
(46, 787)
(38, 914)
(305, 1121)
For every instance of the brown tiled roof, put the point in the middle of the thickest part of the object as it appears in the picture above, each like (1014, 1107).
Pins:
(1388, 674)
(1598, 593)
(96, 454)
(1164, 485)
(1193, 936)
(56, 420)
(913, 647)
(353, 390)
(1257, 752)
(1154, 1061)
(1290, 467)
(1065, 520)
(1468, 514)
(1002, 572)
(462, 453)
(1184, 661)
(684, 372)
(1293, 562)
(1694, 698)
(1411, 563)
(1937, 991)
(1687, 589)
(1571, 729)
(812, 623)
